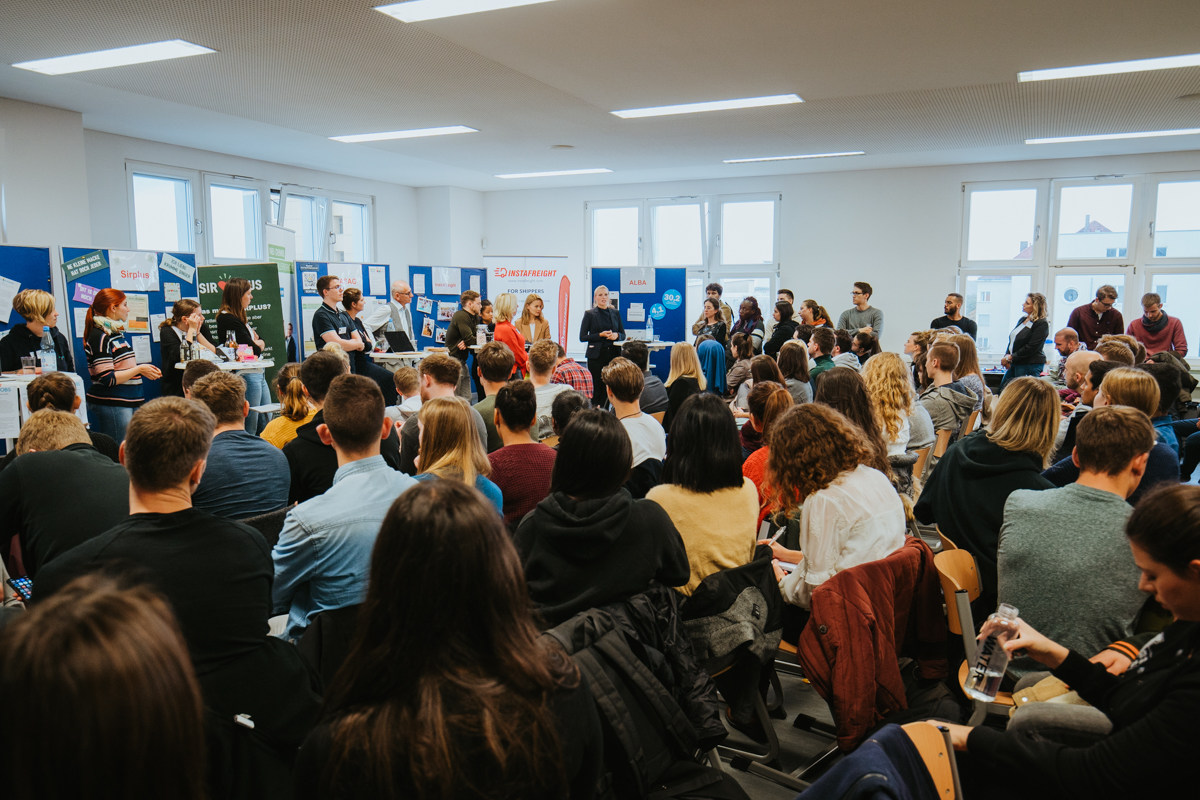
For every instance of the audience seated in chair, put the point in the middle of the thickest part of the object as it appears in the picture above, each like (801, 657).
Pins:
(522, 467)
(565, 406)
(194, 371)
(737, 379)
(294, 408)
(1167, 378)
(820, 466)
(845, 391)
(793, 367)
(623, 381)
(494, 361)
(543, 356)
(686, 379)
(820, 348)
(60, 492)
(947, 400)
(408, 390)
(1075, 371)
(245, 476)
(890, 389)
(100, 698)
(324, 550)
(439, 377)
(448, 691)
(590, 543)
(56, 391)
(843, 350)
(966, 492)
(654, 399)
(312, 462)
(449, 451)
(767, 403)
(1055, 542)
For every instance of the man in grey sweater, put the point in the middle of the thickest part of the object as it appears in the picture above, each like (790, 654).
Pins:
(949, 402)
(862, 318)
(1063, 559)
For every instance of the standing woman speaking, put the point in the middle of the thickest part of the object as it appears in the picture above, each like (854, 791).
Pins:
(601, 329)
(1026, 354)
(116, 389)
(232, 319)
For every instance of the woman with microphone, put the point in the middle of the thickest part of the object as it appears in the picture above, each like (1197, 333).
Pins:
(601, 329)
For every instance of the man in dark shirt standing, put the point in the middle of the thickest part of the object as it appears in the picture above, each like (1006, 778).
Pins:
(1097, 318)
(461, 336)
(953, 308)
(330, 323)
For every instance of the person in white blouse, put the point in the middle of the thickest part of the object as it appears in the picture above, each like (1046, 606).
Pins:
(849, 513)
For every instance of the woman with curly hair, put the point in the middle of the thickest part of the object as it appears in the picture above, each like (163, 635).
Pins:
(844, 390)
(820, 466)
(890, 389)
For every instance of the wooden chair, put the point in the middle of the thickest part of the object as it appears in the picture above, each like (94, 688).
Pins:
(933, 745)
(922, 460)
(940, 445)
(658, 415)
(960, 585)
(969, 425)
(946, 543)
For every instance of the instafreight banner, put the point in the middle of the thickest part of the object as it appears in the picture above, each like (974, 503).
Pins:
(545, 276)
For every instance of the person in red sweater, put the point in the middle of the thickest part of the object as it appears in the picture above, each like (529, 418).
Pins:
(1157, 331)
(506, 309)
(522, 467)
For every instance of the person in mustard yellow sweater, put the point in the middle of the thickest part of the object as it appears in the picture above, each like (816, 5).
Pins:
(714, 507)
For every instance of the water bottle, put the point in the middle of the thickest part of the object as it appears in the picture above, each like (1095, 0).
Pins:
(991, 660)
(47, 353)
(649, 329)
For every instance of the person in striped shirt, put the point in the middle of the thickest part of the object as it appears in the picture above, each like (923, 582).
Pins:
(116, 385)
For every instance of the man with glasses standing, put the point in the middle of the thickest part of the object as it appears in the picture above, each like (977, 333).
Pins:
(1097, 318)
(329, 322)
(863, 318)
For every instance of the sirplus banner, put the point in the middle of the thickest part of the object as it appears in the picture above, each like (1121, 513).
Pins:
(545, 276)
(265, 312)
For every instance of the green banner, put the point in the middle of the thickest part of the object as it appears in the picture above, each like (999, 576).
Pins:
(265, 312)
(278, 254)
(76, 268)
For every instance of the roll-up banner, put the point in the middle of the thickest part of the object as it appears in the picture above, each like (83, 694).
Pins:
(545, 276)
(265, 312)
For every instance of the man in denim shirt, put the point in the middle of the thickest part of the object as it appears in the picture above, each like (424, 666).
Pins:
(323, 556)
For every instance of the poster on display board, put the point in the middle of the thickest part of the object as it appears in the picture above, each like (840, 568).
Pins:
(265, 312)
(545, 276)
(133, 270)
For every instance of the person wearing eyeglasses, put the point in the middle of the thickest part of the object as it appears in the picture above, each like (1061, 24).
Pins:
(1097, 318)
(394, 316)
(863, 318)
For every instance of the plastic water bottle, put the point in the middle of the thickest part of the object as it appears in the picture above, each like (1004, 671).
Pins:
(481, 332)
(649, 329)
(47, 353)
(991, 660)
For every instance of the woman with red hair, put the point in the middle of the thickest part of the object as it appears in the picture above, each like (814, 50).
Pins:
(116, 389)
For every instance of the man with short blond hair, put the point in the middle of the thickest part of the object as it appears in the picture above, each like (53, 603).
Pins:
(543, 358)
(1114, 350)
(246, 475)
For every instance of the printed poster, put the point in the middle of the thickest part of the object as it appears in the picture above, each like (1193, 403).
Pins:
(139, 313)
(133, 270)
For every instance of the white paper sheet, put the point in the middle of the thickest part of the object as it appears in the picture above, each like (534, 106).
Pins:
(133, 270)
(171, 292)
(447, 280)
(141, 349)
(155, 321)
(637, 312)
(8, 290)
(10, 414)
(309, 305)
(80, 318)
(378, 280)
(418, 286)
(475, 283)
(139, 313)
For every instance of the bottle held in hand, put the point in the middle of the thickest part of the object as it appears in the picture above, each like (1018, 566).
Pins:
(991, 660)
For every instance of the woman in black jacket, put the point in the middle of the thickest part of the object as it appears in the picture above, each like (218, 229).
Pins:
(1026, 354)
(232, 321)
(601, 329)
(37, 307)
(785, 328)
(712, 323)
(1151, 706)
(186, 322)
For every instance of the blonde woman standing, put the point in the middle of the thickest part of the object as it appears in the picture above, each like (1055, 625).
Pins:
(506, 332)
(450, 448)
(601, 329)
(1026, 353)
(686, 379)
(532, 325)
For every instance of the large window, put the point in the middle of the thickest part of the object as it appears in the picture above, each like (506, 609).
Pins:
(1178, 290)
(351, 232)
(747, 232)
(306, 215)
(1092, 221)
(676, 235)
(994, 302)
(616, 236)
(1003, 225)
(1176, 221)
(235, 216)
(162, 213)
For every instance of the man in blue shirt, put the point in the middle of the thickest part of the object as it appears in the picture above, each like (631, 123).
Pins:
(245, 476)
(323, 556)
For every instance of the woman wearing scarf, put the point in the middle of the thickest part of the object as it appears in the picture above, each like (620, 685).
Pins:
(712, 362)
(750, 322)
(116, 388)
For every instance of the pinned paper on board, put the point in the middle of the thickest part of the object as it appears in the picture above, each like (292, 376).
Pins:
(133, 270)
(80, 322)
(85, 294)
(446, 311)
(10, 412)
(425, 305)
(439, 336)
(637, 312)
(155, 321)
(418, 286)
(447, 280)
(171, 292)
(178, 267)
(139, 313)
(474, 281)
(308, 280)
(427, 327)
(141, 349)
(377, 280)
(8, 290)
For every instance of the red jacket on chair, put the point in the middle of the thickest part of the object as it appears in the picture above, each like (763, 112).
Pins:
(860, 626)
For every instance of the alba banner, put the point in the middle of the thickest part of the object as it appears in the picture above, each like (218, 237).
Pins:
(545, 276)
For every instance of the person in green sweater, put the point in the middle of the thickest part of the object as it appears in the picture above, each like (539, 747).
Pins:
(461, 335)
(820, 347)
(495, 363)
(1055, 541)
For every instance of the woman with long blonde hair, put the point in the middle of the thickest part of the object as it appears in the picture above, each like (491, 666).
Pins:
(686, 379)
(966, 492)
(506, 310)
(450, 448)
(532, 325)
(889, 385)
(1026, 353)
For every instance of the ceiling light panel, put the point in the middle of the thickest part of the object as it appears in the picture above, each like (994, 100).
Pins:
(794, 158)
(416, 133)
(1097, 137)
(714, 105)
(1113, 68)
(117, 57)
(421, 10)
(554, 174)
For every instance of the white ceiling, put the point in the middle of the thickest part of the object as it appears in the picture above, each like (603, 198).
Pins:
(918, 83)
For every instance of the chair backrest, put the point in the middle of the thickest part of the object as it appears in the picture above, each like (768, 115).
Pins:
(659, 415)
(946, 543)
(969, 425)
(933, 745)
(943, 443)
(922, 460)
(270, 524)
(958, 573)
(550, 441)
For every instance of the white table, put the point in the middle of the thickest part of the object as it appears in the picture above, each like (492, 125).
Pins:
(653, 346)
(236, 366)
(394, 361)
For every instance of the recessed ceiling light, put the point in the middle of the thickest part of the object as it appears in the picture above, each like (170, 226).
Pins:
(1101, 136)
(413, 134)
(714, 105)
(117, 57)
(1113, 68)
(795, 158)
(553, 174)
(421, 10)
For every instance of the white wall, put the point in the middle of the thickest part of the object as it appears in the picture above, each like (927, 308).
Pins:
(898, 229)
(396, 228)
(451, 222)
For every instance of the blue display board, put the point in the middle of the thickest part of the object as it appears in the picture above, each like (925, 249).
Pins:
(102, 279)
(30, 267)
(419, 317)
(307, 273)
(670, 285)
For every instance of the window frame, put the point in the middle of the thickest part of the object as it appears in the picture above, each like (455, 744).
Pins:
(264, 213)
(1034, 272)
(650, 205)
(1135, 207)
(716, 212)
(368, 203)
(1149, 216)
(1148, 274)
(591, 206)
(1040, 223)
(196, 202)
